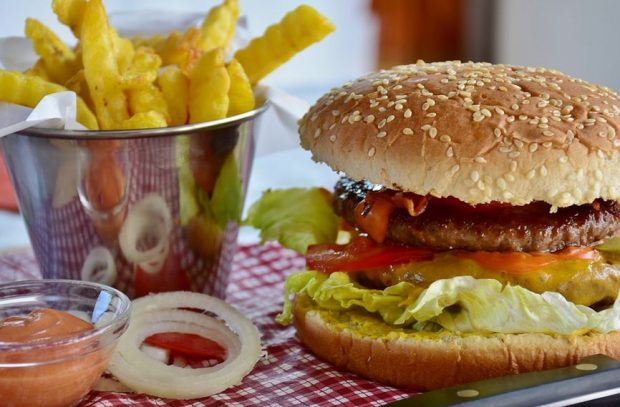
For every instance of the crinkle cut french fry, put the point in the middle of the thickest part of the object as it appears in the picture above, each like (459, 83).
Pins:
(59, 60)
(152, 41)
(218, 27)
(174, 86)
(101, 67)
(69, 12)
(145, 120)
(280, 42)
(77, 83)
(123, 49)
(27, 90)
(146, 99)
(209, 85)
(178, 48)
(240, 93)
(38, 69)
(143, 70)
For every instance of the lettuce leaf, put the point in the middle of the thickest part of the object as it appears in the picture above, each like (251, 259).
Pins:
(460, 304)
(295, 217)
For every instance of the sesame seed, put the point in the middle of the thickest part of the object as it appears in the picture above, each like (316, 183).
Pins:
(444, 138)
(548, 133)
(317, 133)
(443, 97)
(381, 134)
(510, 119)
(335, 112)
(563, 159)
(450, 152)
(430, 102)
(381, 123)
(425, 106)
(390, 118)
(444, 80)
(478, 116)
(547, 144)
(501, 183)
(407, 131)
(518, 143)
(398, 106)
(531, 174)
(332, 138)
(533, 147)
(372, 151)
(433, 132)
(426, 127)
(499, 110)
(543, 171)
(514, 154)
(507, 195)
(480, 160)
(370, 118)
(474, 175)
(381, 109)
(455, 169)
(515, 107)
(522, 117)
(598, 174)
(314, 117)
(431, 114)
(332, 126)
(408, 113)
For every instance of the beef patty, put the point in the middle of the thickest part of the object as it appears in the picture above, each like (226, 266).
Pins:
(448, 224)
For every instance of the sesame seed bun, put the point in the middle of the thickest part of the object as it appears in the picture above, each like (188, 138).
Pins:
(475, 131)
(443, 359)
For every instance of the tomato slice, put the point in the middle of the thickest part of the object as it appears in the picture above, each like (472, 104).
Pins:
(362, 253)
(519, 262)
(188, 345)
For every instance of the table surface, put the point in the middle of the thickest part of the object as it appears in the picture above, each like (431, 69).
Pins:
(285, 375)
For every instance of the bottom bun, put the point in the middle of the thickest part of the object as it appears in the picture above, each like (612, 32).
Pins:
(362, 344)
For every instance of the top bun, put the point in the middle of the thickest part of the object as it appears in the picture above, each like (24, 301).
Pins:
(475, 131)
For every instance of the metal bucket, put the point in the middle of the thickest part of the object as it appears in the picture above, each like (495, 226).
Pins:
(141, 210)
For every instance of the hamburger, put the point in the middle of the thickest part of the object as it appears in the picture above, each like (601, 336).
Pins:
(472, 232)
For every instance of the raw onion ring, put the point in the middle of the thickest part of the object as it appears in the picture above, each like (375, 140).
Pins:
(161, 313)
(99, 266)
(150, 217)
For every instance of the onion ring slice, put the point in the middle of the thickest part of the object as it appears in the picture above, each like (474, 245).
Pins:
(150, 217)
(99, 266)
(161, 313)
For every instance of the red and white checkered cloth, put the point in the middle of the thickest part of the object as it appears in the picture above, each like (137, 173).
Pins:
(289, 375)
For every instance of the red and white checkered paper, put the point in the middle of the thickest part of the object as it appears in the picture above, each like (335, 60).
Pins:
(288, 375)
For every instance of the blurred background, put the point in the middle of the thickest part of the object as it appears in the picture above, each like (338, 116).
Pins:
(577, 37)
